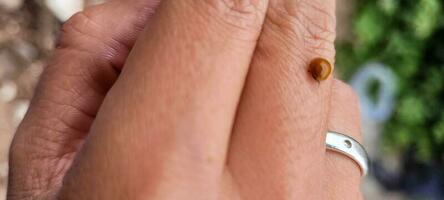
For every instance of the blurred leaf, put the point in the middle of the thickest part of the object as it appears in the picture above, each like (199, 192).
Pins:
(425, 17)
(403, 137)
(433, 84)
(369, 27)
(411, 110)
(389, 6)
(402, 54)
(438, 131)
(423, 148)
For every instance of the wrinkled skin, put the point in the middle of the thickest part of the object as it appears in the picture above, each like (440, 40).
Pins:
(190, 99)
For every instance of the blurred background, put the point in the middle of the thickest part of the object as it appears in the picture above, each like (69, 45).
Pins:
(390, 51)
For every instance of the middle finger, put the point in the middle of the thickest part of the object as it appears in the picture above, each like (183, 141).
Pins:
(278, 144)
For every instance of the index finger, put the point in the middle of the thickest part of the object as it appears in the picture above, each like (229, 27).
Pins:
(173, 106)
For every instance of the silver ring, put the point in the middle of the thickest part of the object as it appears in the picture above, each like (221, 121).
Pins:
(350, 147)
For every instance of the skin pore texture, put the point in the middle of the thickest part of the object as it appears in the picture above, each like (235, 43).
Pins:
(192, 99)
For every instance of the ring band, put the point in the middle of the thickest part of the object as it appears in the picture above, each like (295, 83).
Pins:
(350, 147)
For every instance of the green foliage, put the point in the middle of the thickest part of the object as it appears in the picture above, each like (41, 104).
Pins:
(408, 36)
(401, 52)
(411, 110)
(425, 17)
(369, 29)
(438, 130)
(389, 7)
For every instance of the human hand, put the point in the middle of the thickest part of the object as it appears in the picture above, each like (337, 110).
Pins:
(182, 121)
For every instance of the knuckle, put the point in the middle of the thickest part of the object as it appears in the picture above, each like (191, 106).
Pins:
(76, 23)
(308, 23)
(235, 6)
(243, 14)
(80, 24)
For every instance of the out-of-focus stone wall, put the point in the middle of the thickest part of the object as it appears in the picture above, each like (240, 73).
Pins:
(5, 137)
(20, 58)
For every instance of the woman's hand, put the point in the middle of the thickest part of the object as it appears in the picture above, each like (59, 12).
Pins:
(214, 102)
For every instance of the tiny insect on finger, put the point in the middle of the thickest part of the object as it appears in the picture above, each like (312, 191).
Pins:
(320, 69)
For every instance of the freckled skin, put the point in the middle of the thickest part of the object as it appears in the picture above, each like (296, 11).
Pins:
(321, 69)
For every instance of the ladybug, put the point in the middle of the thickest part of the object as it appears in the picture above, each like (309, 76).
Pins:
(320, 69)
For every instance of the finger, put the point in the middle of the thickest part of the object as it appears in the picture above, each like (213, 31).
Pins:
(93, 45)
(174, 104)
(279, 135)
(343, 174)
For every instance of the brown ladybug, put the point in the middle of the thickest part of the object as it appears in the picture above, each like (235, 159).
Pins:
(320, 69)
